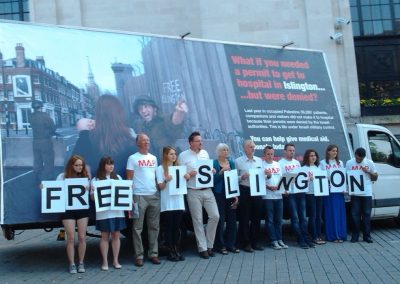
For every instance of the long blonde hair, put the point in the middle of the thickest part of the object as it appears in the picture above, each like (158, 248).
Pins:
(166, 151)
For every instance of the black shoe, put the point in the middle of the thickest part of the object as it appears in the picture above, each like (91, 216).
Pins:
(204, 254)
(179, 254)
(354, 240)
(310, 244)
(304, 246)
(248, 248)
(210, 252)
(258, 247)
(172, 254)
(368, 240)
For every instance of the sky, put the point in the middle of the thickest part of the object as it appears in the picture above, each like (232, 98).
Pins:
(66, 50)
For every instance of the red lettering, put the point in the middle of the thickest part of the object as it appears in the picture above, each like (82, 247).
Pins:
(146, 163)
(289, 168)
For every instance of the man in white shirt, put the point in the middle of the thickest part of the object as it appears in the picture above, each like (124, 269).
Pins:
(141, 168)
(361, 205)
(200, 197)
(273, 199)
(296, 201)
(249, 206)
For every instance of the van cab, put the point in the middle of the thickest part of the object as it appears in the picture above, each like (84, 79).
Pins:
(383, 149)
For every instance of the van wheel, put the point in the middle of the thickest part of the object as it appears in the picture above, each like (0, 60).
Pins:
(8, 232)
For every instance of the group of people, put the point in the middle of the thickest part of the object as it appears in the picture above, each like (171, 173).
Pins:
(151, 197)
(110, 150)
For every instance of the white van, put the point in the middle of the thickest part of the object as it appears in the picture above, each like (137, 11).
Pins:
(384, 149)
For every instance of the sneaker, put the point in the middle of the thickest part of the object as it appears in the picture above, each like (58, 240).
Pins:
(81, 268)
(275, 245)
(282, 244)
(72, 269)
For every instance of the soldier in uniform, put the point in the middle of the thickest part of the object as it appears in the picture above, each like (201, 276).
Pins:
(162, 129)
(43, 153)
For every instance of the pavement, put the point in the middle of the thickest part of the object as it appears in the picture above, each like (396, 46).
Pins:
(35, 256)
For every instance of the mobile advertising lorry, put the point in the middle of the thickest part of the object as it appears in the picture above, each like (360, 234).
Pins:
(229, 92)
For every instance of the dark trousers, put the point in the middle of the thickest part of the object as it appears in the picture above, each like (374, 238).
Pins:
(298, 219)
(274, 209)
(228, 215)
(314, 212)
(172, 223)
(249, 216)
(361, 207)
(43, 159)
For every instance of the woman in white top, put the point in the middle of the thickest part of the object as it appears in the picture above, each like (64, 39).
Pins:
(172, 206)
(109, 222)
(334, 203)
(313, 203)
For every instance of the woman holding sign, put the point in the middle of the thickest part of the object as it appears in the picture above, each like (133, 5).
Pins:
(313, 203)
(172, 206)
(109, 222)
(226, 207)
(75, 168)
(334, 204)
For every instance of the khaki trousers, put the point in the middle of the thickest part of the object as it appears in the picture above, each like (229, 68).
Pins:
(149, 206)
(197, 199)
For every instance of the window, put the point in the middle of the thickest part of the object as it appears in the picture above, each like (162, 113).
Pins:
(17, 10)
(375, 17)
(384, 149)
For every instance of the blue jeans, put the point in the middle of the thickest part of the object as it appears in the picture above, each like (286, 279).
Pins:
(314, 212)
(361, 207)
(226, 213)
(274, 209)
(298, 219)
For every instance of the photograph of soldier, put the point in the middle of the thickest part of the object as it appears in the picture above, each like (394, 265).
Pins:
(43, 129)
(162, 129)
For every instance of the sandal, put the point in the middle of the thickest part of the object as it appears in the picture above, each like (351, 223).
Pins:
(223, 251)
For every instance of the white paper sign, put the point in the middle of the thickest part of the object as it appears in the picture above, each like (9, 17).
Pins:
(204, 177)
(77, 193)
(286, 182)
(102, 194)
(274, 181)
(53, 197)
(257, 182)
(320, 183)
(300, 184)
(231, 181)
(178, 184)
(112, 194)
(358, 183)
(337, 178)
(121, 195)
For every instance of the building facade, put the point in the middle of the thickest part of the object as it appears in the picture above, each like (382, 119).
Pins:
(24, 80)
(376, 26)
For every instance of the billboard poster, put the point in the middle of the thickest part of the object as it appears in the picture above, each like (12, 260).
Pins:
(100, 89)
